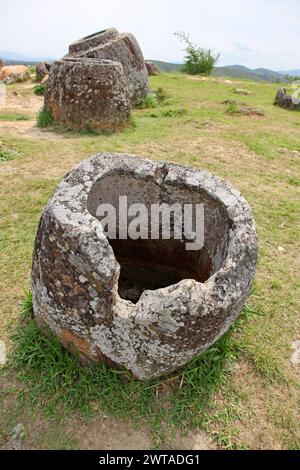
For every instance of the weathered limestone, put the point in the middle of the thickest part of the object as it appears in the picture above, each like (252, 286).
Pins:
(44, 81)
(286, 101)
(88, 94)
(152, 69)
(41, 71)
(14, 73)
(148, 305)
(93, 40)
(123, 48)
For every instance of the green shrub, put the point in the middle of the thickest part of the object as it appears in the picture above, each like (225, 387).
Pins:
(90, 126)
(197, 60)
(44, 118)
(39, 89)
(148, 102)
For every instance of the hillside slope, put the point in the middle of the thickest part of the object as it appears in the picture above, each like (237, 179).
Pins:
(235, 71)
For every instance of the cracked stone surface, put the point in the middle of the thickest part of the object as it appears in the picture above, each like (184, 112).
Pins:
(88, 94)
(119, 47)
(148, 305)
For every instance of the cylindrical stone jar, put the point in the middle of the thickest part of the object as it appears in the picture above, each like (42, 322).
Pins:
(146, 304)
(88, 94)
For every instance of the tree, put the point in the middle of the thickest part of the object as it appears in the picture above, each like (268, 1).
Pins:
(197, 60)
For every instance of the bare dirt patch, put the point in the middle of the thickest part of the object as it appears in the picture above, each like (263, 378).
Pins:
(113, 434)
(27, 129)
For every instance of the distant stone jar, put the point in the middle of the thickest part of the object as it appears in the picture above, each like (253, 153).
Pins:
(147, 305)
(152, 69)
(286, 101)
(41, 71)
(88, 94)
(119, 47)
(14, 74)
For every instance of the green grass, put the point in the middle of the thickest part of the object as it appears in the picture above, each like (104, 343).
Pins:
(170, 113)
(53, 377)
(255, 389)
(39, 90)
(233, 108)
(13, 117)
(148, 102)
(6, 154)
(44, 118)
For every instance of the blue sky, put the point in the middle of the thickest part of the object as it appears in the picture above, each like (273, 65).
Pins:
(254, 33)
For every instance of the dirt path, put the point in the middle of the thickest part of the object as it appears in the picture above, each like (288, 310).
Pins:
(24, 102)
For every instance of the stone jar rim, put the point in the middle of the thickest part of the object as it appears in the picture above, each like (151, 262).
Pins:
(69, 203)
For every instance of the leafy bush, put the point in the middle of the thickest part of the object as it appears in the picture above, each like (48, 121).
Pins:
(44, 118)
(39, 89)
(197, 60)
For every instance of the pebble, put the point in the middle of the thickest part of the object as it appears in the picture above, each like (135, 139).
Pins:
(2, 353)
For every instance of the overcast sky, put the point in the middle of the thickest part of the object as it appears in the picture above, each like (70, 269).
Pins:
(255, 33)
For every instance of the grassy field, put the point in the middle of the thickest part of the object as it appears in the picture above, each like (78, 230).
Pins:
(242, 393)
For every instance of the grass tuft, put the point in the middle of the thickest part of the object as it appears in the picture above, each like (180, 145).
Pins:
(44, 118)
(6, 154)
(170, 113)
(14, 117)
(148, 102)
(39, 90)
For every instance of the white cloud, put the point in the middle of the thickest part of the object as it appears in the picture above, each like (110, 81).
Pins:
(250, 32)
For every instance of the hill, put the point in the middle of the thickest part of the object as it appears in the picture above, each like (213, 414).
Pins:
(167, 67)
(234, 71)
(293, 73)
(14, 58)
(260, 74)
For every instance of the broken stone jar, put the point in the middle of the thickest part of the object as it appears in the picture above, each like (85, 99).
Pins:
(148, 305)
(120, 47)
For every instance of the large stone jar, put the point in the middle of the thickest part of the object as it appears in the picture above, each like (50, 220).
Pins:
(119, 47)
(148, 305)
(88, 94)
